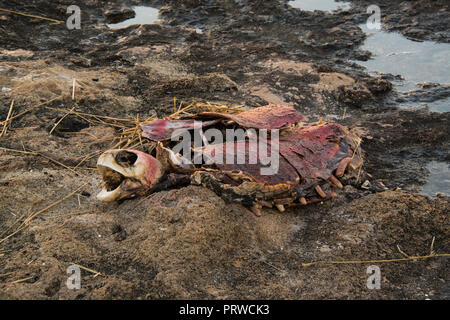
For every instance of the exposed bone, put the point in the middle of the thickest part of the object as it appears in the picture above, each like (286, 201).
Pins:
(123, 179)
(165, 155)
(267, 204)
(320, 191)
(336, 182)
(342, 166)
(256, 209)
(353, 166)
(284, 201)
(280, 207)
(108, 196)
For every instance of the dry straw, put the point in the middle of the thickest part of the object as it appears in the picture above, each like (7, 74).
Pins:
(95, 273)
(7, 121)
(432, 254)
(27, 221)
(32, 16)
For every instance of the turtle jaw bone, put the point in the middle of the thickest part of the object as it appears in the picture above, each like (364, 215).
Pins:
(127, 173)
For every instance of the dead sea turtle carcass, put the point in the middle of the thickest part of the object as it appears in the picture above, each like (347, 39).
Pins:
(310, 158)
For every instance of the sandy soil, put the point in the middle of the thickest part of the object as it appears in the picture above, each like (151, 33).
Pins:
(188, 243)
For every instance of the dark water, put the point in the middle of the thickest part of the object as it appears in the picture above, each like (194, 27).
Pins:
(416, 62)
(144, 15)
(438, 180)
(322, 5)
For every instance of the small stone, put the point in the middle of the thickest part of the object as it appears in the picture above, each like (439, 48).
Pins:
(325, 248)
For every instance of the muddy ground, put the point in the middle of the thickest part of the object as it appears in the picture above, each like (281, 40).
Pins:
(188, 243)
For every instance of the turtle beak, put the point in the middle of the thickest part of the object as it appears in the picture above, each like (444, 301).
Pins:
(127, 174)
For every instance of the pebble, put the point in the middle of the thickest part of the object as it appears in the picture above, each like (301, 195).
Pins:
(325, 248)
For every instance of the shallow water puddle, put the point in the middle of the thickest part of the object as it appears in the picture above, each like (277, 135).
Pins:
(322, 5)
(438, 180)
(144, 15)
(416, 62)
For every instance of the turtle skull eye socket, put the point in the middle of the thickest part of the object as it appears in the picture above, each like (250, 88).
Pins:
(126, 158)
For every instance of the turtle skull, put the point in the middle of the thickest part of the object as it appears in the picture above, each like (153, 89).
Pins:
(127, 173)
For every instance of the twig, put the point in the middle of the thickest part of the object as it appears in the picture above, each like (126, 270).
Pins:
(407, 258)
(93, 115)
(376, 261)
(31, 109)
(73, 88)
(5, 126)
(22, 280)
(85, 158)
(432, 246)
(39, 154)
(19, 151)
(60, 120)
(96, 273)
(358, 149)
(57, 162)
(276, 268)
(180, 111)
(13, 224)
(401, 251)
(12, 234)
(6, 274)
(32, 16)
(27, 221)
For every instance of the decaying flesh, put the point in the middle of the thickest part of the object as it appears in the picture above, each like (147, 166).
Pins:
(312, 158)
